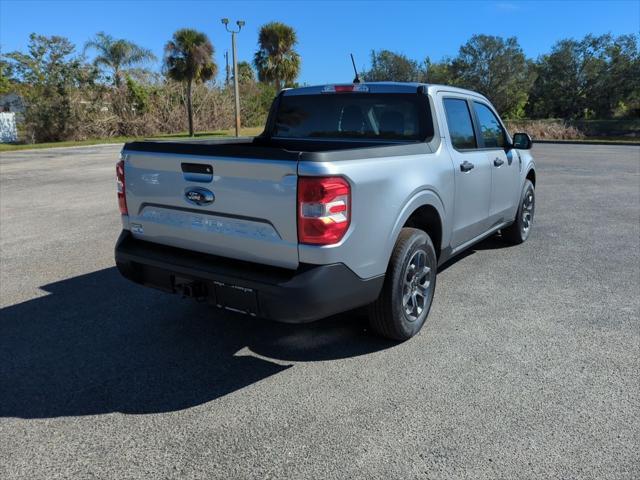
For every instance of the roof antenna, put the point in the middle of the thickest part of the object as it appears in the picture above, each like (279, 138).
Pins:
(357, 79)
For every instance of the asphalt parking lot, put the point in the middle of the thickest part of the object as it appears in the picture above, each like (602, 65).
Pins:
(528, 366)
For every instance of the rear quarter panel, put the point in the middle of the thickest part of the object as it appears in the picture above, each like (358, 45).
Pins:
(384, 193)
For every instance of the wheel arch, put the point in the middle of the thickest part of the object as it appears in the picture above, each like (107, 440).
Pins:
(427, 219)
(531, 175)
(426, 212)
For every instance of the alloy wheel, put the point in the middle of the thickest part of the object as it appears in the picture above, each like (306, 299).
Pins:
(416, 287)
(528, 204)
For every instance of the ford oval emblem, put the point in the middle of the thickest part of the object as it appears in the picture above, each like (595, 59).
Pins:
(199, 196)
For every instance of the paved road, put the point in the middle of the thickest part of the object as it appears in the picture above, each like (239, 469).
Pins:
(528, 366)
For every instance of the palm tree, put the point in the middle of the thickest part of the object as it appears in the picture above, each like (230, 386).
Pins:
(189, 58)
(117, 54)
(245, 73)
(276, 60)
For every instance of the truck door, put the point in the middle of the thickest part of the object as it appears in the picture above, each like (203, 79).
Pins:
(505, 166)
(472, 171)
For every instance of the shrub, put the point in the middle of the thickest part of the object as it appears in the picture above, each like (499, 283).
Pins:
(552, 129)
(137, 110)
(255, 101)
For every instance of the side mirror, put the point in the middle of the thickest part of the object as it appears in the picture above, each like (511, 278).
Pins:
(522, 141)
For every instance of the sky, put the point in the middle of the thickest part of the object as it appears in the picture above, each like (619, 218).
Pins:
(327, 30)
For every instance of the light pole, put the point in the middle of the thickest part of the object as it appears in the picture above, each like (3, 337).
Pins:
(236, 91)
(226, 61)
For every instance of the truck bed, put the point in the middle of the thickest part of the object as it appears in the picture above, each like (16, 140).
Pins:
(281, 149)
(252, 183)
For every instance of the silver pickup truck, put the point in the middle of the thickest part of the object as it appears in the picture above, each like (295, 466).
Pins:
(352, 196)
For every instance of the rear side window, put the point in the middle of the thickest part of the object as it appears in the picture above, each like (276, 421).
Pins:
(490, 128)
(460, 124)
(362, 116)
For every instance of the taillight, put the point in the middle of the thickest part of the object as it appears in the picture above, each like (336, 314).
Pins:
(324, 209)
(122, 199)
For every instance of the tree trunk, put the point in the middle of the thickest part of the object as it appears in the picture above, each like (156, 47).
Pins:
(278, 85)
(189, 107)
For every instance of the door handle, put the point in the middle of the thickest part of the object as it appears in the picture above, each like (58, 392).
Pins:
(466, 166)
(497, 162)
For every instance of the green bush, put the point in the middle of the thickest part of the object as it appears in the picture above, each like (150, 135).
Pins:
(255, 101)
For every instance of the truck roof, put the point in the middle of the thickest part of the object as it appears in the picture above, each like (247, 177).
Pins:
(382, 87)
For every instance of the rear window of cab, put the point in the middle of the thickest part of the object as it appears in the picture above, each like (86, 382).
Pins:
(358, 116)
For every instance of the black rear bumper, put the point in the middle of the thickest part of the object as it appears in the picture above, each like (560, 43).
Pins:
(309, 293)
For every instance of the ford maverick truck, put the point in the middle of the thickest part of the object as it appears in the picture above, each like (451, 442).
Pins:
(352, 196)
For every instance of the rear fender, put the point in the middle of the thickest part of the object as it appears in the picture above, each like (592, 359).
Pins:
(419, 199)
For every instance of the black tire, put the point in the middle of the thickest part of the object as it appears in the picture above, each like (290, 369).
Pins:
(388, 315)
(519, 230)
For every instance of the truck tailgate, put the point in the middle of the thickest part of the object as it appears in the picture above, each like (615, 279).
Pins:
(252, 216)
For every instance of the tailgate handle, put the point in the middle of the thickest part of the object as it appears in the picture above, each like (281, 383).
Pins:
(197, 172)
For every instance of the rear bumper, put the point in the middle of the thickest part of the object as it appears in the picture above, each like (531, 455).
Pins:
(295, 296)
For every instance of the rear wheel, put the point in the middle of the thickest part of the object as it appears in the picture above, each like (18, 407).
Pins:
(519, 230)
(407, 293)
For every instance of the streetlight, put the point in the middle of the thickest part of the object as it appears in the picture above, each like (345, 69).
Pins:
(236, 91)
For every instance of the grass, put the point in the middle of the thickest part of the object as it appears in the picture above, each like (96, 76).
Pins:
(10, 147)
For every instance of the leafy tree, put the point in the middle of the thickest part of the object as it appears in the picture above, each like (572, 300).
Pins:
(395, 67)
(48, 74)
(189, 59)
(117, 54)
(245, 73)
(6, 76)
(137, 95)
(590, 77)
(498, 69)
(276, 60)
(256, 101)
(439, 72)
(621, 80)
(562, 82)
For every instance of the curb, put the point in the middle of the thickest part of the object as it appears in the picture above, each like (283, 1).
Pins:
(588, 142)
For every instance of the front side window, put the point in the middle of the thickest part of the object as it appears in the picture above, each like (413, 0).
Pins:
(490, 128)
(459, 122)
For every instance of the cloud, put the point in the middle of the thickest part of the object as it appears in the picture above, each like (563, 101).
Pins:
(507, 6)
